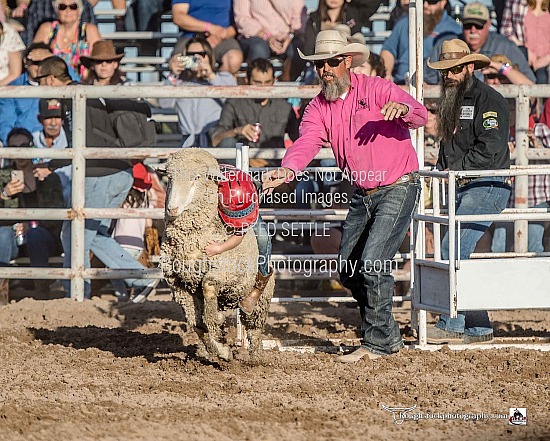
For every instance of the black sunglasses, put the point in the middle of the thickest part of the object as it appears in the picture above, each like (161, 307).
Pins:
(63, 7)
(32, 62)
(39, 77)
(468, 26)
(202, 54)
(454, 70)
(332, 62)
(432, 2)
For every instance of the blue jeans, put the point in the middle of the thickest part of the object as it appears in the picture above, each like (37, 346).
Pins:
(264, 246)
(372, 233)
(103, 192)
(41, 245)
(8, 246)
(482, 196)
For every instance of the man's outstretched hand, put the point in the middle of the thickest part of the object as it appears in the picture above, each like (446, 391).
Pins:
(274, 178)
(392, 110)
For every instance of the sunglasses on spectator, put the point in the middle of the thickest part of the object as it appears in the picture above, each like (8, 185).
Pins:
(32, 62)
(454, 70)
(104, 61)
(468, 26)
(201, 54)
(39, 77)
(431, 2)
(63, 7)
(332, 62)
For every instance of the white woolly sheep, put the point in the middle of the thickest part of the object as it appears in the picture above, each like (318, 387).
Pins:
(204, 285)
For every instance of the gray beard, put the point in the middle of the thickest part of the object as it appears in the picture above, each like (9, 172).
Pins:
(332, 90)
(449, 107)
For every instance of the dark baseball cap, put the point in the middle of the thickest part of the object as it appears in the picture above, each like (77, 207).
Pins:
(50, 108)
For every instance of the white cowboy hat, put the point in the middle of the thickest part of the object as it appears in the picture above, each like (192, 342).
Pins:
(456, 52)
(331, 43)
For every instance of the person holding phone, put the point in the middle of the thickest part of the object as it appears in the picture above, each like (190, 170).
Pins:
(41, 238)
(193, 65)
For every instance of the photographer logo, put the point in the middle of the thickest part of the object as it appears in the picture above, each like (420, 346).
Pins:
(518, 416)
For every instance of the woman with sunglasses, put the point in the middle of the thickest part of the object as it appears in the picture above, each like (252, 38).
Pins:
(11, 47)
(67, 36)
(193, 65)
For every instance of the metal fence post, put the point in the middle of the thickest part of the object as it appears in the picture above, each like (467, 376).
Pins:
(522, 181)
(78, 194)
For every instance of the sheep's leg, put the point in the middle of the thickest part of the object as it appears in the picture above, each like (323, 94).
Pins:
(211, 321)
(187, 303)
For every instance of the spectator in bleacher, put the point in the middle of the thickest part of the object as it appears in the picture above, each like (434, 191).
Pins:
(68, 37)
(15, 13)
(366, 120)
(41, 237)
(52, 136)
(41, 11)
(476, 25)
(527, 24)
(11, 48)
(194, 66)
(21, 112)
(103, 65)
(270, 28)
(400, 11)
(503, 71)
(355, 14)
(438, 24)
(238, 116)
(374, 66)
(212, 20)
(53, 71)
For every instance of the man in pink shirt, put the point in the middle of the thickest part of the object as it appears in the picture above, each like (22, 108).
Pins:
(366, 120)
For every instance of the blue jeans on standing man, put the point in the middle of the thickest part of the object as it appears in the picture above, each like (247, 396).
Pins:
(103, 192)
(8, 246)
(487, 195)
(372, 233)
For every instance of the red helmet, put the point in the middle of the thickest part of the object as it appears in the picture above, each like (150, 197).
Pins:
(237, 199)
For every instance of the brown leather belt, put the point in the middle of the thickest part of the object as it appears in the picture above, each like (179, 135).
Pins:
(409, 177)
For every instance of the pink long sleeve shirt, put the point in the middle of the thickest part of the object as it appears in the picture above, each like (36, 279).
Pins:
(370, 151)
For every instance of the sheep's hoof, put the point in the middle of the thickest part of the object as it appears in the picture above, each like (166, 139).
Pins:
(225, 353)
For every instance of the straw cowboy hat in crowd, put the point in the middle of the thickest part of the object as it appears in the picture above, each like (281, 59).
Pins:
(103, 50)
(456, 52)
(331, 43)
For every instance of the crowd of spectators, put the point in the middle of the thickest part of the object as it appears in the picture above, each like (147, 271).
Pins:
(57, 43)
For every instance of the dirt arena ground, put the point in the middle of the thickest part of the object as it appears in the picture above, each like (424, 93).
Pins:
(100, 371)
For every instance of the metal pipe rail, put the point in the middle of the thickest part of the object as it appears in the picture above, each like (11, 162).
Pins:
(79, 153)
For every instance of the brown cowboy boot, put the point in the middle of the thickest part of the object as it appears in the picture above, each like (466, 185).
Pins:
(249, 302)
(4, 291)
